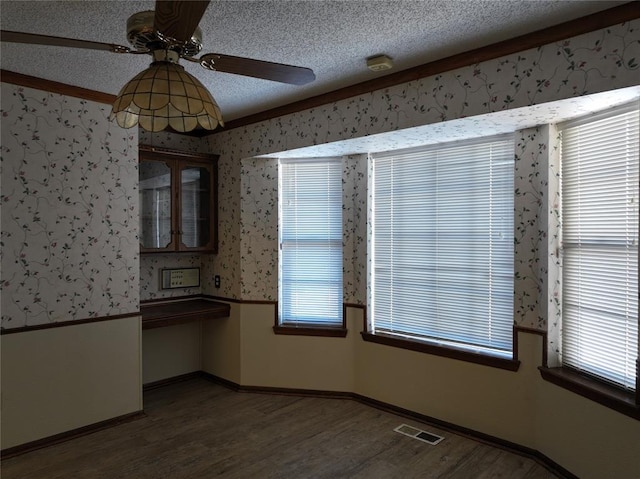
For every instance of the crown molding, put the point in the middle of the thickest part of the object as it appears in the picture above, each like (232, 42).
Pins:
(28, 81)
(597, 21)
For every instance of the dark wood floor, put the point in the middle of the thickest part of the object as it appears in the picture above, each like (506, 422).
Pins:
(199, 429)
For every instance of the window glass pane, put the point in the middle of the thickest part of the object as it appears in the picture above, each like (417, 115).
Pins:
(155, 204)
(196, 211)
(442, 244)
(310, 232)
(600, 245)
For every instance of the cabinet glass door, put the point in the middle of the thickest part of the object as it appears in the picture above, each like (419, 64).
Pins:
(196, 206)
(155, 204)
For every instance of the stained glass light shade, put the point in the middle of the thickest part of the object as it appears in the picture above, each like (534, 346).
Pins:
(165, 95)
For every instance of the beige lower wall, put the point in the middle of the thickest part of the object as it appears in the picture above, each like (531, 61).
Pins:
(171, 351)
(59, 379)
(243, 349)
(482, 398)
(299, 362)
(55, 380)
(221, 346)
(588, 439)
(515, 406)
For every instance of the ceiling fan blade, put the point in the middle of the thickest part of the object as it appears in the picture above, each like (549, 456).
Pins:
(33, 38)
(179, 19)
(257, 68)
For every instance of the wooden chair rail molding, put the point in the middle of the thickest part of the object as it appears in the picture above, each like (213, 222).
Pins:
(612, 397)
(209, 307)
(62, 324)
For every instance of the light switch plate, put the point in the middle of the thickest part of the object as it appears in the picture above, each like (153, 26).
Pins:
(172, 278)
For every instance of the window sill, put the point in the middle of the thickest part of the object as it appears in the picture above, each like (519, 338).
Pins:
(622, 401)
(326, 331)
(445, 351)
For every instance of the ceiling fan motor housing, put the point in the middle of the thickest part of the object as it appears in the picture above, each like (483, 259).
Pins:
(143, 36)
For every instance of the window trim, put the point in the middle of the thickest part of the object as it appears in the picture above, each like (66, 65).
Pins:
(323, 331)
(509, 364)
(601, 391)
(622, 401)
(292, 328)
(425, 346)
(583, 383)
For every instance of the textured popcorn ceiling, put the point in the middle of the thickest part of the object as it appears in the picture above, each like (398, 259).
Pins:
(332, 37)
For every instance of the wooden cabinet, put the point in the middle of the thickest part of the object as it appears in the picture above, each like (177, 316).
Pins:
(178, 201)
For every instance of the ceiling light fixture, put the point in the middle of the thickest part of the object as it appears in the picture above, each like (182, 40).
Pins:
(165, 95)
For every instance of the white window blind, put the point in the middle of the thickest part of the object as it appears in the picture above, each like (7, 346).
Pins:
(310, 276)
(600, 245)
(442, 244)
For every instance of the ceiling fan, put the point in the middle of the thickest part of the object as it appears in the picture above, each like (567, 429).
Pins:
(165, 95)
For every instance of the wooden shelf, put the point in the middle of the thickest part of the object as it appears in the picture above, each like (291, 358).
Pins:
(157, 315)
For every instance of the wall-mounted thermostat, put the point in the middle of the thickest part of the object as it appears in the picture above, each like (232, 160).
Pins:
(180, 278)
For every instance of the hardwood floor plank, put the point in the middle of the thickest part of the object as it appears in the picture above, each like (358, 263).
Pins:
(195, 429)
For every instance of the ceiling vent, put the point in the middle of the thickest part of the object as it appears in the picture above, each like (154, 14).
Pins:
(419, 434)
(379, 63)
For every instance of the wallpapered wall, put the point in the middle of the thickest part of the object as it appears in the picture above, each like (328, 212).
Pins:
(69, 195)
(69, 209)
(599, 61)
(260, 214)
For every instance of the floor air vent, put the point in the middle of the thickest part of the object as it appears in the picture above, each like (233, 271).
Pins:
(419, 434)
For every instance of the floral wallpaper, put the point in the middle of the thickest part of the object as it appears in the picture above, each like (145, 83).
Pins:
(354, 234)
(488, 124)
(69, 193)
(69, 209)
(530, 185)
(227, 262)
(596, 62)
(447, 103)
(259, 230)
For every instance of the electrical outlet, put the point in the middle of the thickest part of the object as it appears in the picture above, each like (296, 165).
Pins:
(216, 281)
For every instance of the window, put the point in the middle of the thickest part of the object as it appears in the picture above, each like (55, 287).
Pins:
(310, 274)
(599, 191)
(442, 246)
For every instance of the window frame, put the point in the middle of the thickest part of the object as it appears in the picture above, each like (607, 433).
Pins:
(307, 328)
(433, 347)
(583, 383)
